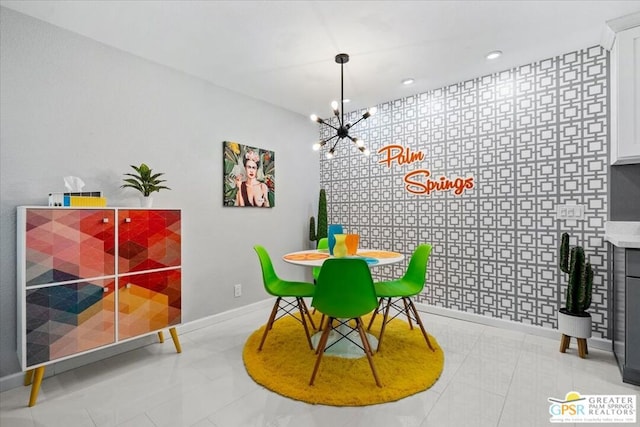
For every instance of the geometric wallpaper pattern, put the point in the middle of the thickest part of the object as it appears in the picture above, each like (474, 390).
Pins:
(78, 247)
(531, 137)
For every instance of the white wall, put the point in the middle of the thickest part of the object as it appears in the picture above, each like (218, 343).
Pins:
(72, 106)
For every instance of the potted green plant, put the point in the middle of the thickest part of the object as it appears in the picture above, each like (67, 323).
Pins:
(146, 182)
(573, 319)
(321, 232)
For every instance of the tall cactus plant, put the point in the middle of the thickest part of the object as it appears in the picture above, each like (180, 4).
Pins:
(316, 235)
(580, 279)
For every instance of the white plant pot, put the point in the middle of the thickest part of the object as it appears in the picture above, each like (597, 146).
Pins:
(146, 201)
(574, 326)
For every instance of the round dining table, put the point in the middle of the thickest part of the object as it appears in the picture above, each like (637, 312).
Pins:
(315, 258)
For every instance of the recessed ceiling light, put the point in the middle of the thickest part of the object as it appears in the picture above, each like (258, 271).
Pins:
(408, 81)
(346, 100)
(494, 55)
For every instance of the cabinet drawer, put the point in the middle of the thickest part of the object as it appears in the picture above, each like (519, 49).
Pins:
(62, 320)
(633, 262)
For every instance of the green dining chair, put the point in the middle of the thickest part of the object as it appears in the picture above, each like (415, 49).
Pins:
(322, 244)
(283, 289)
(397, 294)
(344, 293)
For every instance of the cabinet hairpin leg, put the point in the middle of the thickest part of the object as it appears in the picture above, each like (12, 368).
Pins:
(160, 337)
(28, 377)
(176, 341)
(34, 377)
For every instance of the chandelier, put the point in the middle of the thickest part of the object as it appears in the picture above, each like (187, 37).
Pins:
(342, 130)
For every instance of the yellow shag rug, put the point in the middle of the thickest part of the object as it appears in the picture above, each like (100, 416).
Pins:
(405, 365)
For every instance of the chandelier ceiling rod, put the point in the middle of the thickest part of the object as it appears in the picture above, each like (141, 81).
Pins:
(342, 131)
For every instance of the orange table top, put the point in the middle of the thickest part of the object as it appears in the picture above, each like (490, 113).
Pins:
(315, 258)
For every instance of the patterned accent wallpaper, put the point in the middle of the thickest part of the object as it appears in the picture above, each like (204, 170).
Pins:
(531, 138)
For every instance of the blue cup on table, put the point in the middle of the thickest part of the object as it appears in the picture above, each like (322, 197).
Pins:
(332, 231)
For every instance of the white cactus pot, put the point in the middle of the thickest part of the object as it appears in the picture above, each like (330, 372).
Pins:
(574, 326)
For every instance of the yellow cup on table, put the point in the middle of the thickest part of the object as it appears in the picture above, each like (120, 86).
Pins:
(352, 243)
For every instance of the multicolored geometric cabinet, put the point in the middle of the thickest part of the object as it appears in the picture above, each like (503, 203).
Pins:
(89, 278)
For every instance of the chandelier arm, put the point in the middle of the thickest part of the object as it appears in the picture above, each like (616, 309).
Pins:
(340, 120)
(358, 121)
(336, 143)
(331, 126)
(324, 141)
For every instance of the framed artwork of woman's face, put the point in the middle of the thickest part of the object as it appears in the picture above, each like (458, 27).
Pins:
(249, 176)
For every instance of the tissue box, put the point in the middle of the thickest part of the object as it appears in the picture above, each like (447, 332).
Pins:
(83, 198)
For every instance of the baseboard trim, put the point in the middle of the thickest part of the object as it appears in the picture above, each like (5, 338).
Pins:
(599, 343)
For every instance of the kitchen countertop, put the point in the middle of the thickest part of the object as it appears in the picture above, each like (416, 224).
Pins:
(624, 234)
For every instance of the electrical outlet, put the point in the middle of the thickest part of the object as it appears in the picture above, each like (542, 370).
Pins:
(237, 290)
(571, 212)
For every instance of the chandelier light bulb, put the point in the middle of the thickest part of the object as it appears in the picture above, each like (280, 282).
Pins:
(330, 154)
(316, 146)
(313, 118)
(366, 152)
(334, 105)
(359, 142)
(373, 110)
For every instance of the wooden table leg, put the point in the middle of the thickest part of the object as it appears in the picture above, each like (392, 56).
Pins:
(35, 387)
(176, 341)
(564, 343)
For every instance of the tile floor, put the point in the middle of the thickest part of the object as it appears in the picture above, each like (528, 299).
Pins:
(492, 377)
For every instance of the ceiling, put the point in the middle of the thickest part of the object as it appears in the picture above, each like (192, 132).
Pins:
(283, 52)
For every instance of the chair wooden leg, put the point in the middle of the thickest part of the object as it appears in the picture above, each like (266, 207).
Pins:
(384, 322)
(419, 322)
(407, 311)
(375, 313)
(303, 308)
(367, 349)
(272, 317)
(320, 327)
(306, 311)
(320, 351)
(564, 343)
(329, 323)
(35, 387)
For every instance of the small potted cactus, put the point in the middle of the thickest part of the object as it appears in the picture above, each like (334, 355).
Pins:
(573, 319)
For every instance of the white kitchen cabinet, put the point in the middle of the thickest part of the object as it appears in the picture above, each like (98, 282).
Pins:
(625, 97)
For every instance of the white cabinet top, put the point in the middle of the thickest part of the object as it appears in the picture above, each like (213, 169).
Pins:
(624, 234)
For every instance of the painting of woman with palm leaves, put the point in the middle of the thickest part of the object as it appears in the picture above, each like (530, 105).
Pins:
(249, 176)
